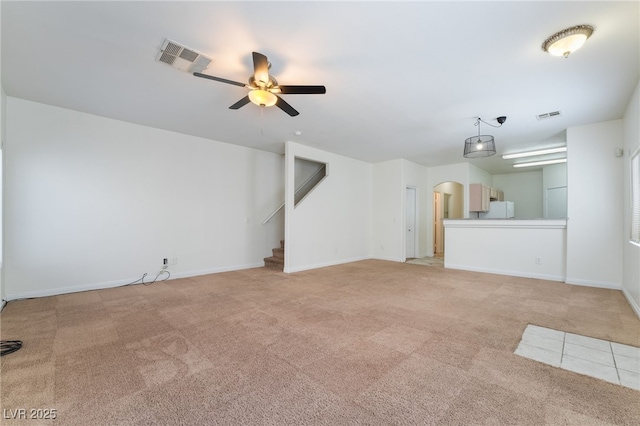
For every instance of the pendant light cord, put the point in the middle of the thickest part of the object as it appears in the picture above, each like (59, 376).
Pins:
(480, 119)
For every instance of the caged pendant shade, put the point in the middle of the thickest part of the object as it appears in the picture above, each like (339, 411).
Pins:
(481, 145)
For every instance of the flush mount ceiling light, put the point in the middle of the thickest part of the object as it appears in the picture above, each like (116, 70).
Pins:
(534, 153)
(481, 145)
(567, 41)
(540, 163)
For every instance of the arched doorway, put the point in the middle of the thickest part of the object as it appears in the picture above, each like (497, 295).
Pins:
(448, 203)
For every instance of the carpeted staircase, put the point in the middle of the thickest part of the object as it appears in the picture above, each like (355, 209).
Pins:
(277, 260)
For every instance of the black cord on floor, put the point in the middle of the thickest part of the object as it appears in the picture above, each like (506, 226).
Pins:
(141, 280)
(164, 271)
(9, 346)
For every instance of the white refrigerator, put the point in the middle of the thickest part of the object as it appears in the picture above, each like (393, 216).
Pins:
(499, 210)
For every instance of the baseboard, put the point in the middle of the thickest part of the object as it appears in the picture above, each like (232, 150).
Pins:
(634, 305)
(505, 272)
(325, 264)
(3, 304)
(591, 283)
(119, 283)
(389, 258)
(216, 270)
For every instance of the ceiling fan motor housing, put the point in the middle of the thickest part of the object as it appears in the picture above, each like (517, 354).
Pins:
(271, 84)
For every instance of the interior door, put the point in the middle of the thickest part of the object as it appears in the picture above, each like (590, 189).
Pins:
(410, 223)
(557, 202)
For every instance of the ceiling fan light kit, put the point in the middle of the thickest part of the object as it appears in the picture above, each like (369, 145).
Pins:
(481, 145)
(264, 89)
(262, 98)
(567, 41)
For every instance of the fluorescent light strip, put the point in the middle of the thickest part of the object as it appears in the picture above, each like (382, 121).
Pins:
(540, 163)
(533, 153)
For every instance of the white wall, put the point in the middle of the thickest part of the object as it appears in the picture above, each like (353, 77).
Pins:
(631, 252)
(525, 248)
(3, 127)
(595, 197)
(478, 175)
(525, 190)
(3, 107)
(333, 224)
(93, 202)
(415, 176)
(387, 211)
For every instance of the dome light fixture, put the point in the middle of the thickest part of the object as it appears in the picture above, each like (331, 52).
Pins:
(262, 98)
(481, 145)
(567, 41)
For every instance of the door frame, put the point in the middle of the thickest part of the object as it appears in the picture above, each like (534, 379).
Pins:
(416, 222)
(438, 233)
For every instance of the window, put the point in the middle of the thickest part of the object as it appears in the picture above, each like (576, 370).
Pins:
(635, 197)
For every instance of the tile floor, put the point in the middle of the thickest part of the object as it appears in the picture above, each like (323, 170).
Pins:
(427, 261)
(610, 361)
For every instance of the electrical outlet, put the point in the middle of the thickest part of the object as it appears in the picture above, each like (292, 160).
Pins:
(165, 261)
(538, 261)
(174, 261)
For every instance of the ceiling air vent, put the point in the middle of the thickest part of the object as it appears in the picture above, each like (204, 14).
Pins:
(182, 58)
(548, 115)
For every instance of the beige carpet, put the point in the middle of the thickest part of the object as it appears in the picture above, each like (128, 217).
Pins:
(371, 342)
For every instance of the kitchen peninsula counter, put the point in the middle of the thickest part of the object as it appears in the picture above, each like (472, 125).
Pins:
(534, 248)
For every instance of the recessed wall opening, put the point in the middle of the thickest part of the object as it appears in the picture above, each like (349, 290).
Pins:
(308, 174)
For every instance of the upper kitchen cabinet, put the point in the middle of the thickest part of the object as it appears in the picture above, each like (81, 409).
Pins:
(479, 197)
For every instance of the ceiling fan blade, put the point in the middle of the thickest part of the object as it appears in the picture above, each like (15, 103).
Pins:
(222, 80)
(302, 90)
(260, 68)
(242, 102)
(280, 103)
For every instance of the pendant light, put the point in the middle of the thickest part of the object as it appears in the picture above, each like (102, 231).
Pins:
(481, 145)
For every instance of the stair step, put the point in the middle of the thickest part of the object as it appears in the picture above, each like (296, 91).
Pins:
(274, 263)
(277, 260)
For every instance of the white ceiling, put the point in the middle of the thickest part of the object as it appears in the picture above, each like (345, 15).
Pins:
(404, 79)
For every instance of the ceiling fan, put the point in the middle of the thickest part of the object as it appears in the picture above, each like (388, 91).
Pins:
(264, 89)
